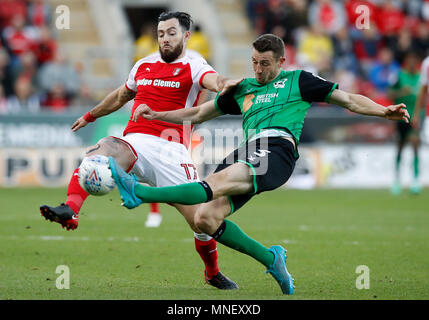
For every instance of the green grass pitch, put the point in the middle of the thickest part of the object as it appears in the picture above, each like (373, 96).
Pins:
(328, 234)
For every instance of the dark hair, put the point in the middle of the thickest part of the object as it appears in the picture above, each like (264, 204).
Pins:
(184, 18)
(270, 42)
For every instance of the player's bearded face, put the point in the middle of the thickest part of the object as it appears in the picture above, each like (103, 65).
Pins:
(171, 39)
(169, 53)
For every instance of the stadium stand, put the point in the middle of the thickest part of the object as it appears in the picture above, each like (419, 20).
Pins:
(321, 35)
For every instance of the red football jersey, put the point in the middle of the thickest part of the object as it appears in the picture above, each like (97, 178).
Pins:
(164, 87)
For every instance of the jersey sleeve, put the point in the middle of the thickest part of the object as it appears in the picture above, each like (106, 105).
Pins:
(424, 74)
(131, 81)
(226, 103)
(199, 69)
(314, 88)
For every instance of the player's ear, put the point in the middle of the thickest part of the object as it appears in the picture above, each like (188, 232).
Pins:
(282, 60)
(187, 35)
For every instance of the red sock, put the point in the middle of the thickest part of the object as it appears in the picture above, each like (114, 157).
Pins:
(208, 252)
(75, 194)
(154, 207)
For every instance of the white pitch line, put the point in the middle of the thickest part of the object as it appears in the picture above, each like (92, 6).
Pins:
(98, 239)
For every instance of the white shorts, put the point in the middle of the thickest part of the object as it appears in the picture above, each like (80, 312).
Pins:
(159, 162)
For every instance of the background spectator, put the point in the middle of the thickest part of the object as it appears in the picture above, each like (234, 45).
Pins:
(24, 99)
(56, 98)
(9, 9)
(385, 70)
(18, 38)
(329, 15)
(59, 71)
(314, 48)
(45, 48)
(39, 13)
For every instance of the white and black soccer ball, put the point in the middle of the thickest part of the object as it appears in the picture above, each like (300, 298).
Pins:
(95, 176)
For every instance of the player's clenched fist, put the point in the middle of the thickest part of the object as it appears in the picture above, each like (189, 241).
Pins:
(144, 111)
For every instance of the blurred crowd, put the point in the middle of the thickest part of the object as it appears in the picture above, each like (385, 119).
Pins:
(34, 73)
(147, 42)
(332, 39)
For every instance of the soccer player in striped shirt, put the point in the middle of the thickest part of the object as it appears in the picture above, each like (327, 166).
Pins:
(273, 104)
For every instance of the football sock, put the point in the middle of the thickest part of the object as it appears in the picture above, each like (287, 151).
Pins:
(206, 247)
(188, 193)
(154, 207)
(75, 194)
(416, 166)
(397, 165)
(230, 235)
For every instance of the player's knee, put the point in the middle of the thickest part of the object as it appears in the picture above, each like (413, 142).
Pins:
(204, 221)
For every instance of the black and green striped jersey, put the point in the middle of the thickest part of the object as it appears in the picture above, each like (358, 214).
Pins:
(279, 106)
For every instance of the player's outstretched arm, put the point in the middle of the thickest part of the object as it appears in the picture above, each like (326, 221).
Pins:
(363, 105)
(112, 102)
(194, 115)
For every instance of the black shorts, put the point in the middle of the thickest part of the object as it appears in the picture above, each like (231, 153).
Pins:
(404, 129)
(272, 161)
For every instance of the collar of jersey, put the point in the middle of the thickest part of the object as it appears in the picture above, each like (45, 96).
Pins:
(256, 83)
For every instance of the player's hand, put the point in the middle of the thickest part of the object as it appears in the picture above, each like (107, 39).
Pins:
(145, 112)
(79, 123)
(229, 84)
(397, 112)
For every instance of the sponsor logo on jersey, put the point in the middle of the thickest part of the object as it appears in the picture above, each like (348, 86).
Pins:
(158, 83)
(176, 71)
(280, 84)
(266, 97)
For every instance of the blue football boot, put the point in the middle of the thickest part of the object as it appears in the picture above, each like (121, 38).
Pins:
(279, 271)
(125, 183)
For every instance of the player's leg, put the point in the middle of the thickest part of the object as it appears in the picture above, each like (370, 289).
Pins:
(67, 214)
(229, 179)
(206, 247)
(240, 181)
(211, 216)
(154, 217)
(163, 163)
(415, 143)
(402, 132)
(236, 179)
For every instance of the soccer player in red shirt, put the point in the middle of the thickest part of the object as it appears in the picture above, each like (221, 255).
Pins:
(155, 151)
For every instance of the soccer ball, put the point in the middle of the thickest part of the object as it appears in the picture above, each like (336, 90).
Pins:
(95, 176)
